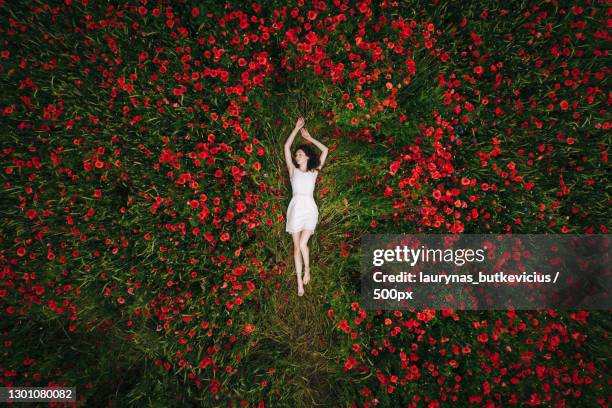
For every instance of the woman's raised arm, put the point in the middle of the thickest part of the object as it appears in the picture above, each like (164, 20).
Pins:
(298, 125)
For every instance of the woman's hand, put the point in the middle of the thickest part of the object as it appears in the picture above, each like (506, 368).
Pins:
(300, 123)
(305, 134)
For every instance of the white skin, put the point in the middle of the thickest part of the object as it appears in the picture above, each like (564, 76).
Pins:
(301, 253)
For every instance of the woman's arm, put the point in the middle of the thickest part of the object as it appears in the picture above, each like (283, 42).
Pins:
(324, 150)
(299, 124)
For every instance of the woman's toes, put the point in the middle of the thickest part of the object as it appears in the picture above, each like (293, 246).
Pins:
(300, 291)
(306, 278)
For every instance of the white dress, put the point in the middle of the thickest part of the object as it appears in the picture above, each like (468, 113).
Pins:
(302, 212)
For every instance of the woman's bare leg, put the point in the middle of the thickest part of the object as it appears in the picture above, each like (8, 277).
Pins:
(297, 257)
(305, 253)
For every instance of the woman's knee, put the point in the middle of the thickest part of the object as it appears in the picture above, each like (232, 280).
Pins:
(303, 246)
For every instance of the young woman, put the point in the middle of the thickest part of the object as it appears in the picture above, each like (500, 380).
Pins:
(302, 213)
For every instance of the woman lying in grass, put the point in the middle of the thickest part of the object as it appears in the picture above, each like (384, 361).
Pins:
(303, 213)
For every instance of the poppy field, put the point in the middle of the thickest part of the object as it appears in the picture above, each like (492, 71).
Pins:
(143, 252)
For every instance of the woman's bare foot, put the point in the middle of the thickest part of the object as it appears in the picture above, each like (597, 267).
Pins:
(300, 290)
(306, 276)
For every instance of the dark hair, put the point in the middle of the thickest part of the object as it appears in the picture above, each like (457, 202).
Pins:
(313, 158)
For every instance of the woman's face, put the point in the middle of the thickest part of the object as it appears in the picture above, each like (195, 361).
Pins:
(300, 157)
